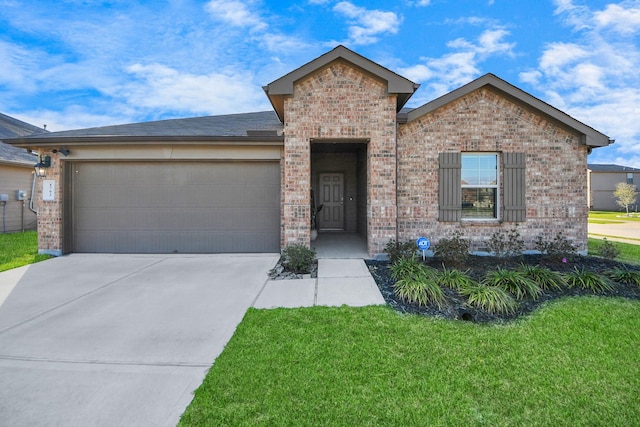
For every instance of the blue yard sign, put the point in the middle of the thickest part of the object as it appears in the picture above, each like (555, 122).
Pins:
(423, 244)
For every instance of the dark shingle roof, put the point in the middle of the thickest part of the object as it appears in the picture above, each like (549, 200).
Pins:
(226, 125)
(610, 168)
(13, 128)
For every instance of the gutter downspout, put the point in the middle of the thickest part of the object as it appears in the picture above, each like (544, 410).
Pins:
(33, 187)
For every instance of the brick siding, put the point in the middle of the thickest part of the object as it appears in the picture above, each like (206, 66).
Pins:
(556, 171)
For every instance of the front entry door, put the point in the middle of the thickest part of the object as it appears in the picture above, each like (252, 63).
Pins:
(332, 197)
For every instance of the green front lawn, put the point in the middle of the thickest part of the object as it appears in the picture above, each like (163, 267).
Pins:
(18, 249)
(628, 252)
(572, 363)
(609, 217)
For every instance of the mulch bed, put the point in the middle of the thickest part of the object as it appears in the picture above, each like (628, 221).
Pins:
(455, 306)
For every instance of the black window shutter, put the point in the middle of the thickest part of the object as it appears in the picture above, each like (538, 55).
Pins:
(449, 190)
(515, 209)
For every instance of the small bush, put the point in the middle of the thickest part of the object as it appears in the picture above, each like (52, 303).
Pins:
(506, 243)
(456, 279)
(416, 283)
(545, 278)
(513, 281)
(608, 250)
(588, 280)
(559, 247)
(454, 250)
(490, 298)
(298, 258)
(622, 275)
(396, 250)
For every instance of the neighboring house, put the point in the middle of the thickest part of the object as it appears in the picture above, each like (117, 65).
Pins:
(16, 177)
(602, 183)
(482, 158)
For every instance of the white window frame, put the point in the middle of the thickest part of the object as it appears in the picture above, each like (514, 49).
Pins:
(495, 155)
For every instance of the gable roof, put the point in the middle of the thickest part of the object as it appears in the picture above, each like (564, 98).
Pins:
(594, 167)
(11, 128)
(590, 136)
(283, 87)
(260, 126)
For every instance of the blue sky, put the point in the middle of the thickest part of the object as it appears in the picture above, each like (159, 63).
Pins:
(80, 63)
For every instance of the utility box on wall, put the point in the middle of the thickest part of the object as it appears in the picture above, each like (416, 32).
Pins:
(21, 195)
(4, 197)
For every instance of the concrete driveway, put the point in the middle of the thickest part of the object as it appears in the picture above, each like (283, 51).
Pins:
(118, 340)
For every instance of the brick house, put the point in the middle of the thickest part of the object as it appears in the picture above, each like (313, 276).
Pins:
(483, 157)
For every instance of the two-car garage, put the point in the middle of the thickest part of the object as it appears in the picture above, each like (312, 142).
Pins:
(174, 206)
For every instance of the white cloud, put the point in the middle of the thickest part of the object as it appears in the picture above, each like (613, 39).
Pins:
(443, 74)
(164, 88)
(625, 21)
(236, 13)
(595, 78)
(367, 25)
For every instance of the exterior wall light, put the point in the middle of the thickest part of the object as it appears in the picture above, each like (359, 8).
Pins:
(42, 166)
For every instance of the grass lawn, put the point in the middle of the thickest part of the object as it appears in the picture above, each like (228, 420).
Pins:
(18, 249)
(572, 363)
(609, 217)
(628, 253)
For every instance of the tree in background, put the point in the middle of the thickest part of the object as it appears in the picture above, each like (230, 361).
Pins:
(625, 195)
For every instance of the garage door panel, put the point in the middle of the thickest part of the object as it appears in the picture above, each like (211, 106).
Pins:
(177, 207)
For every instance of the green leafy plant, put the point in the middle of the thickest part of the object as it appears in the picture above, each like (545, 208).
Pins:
(513, 281)
(455, 279)
(416, 283)
(545, 278)
(493, 299)
(608, 250)
(396, 250)
(623, 275)
(298, 258)
(506, 243)
(454, 250)
(586, 279)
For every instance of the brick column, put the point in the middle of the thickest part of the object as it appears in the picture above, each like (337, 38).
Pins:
(50, 211)
(295, 188)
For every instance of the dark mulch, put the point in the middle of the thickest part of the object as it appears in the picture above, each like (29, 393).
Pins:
(455, 306)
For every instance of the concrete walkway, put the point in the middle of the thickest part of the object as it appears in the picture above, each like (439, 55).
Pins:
(340, 282)
(624, 231)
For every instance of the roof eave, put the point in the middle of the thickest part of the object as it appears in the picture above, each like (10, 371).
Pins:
(590, 136)
(35, 142)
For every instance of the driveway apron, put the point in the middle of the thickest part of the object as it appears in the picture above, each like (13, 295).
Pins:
(124, 340)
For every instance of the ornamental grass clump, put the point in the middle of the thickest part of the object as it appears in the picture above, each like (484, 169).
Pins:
(545, 278)
(493, 299)
(588, 280)
(623, 275)
(416, 283)
(513, 281)
(455, 279)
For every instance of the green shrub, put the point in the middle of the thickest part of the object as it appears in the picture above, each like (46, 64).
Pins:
(608, 250)
(545, 278)
(513, 281)
(490, 298)
(416, 283)
(558, 248)
(623, 275)
(454, 250)
(455, 279)
(586, 279)
(506, 243)
(298, 258)
(396, 250)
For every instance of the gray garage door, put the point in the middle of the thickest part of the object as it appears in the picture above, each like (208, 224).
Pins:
(176, 207)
